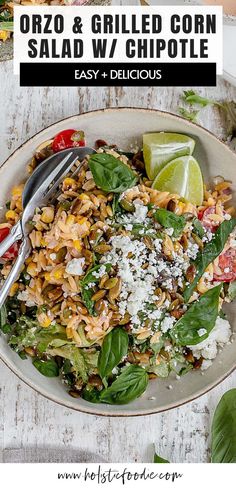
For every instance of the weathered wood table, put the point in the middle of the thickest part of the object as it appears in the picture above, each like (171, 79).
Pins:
(31, 422)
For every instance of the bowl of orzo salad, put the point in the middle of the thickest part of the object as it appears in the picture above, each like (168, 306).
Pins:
(125, 304)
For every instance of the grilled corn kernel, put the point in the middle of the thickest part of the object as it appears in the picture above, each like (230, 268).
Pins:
(13, 290)
(11, 215)
(3, 35)
(47, 276)
(44, 320)
(83, 197)
(77, 244)
(57, 274)
(70, 220)
(17, 190)
(28, 260)
(69, 183)
(32, 269)
(47, 215)
(81, 220)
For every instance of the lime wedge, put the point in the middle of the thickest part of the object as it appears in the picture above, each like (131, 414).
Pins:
(161, 147)
(182, 176)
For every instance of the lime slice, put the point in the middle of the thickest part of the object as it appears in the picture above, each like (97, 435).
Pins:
(161, 147)
(182, 176)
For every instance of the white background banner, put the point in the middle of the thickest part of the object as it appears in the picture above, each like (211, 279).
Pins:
(117, 476)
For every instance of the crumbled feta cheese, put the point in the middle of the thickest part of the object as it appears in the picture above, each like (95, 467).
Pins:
(201, 332)
(206, 364)
(167, 323)
(53, 256)
(208, 237)
(219, 335)
(192, 250)
(24, 297)
(75, 266)
(169, 231)
(99, 273)
(140, 212)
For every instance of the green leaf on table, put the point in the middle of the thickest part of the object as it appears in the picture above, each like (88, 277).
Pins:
(114, 348)
(190, 116)
(223, 431)
(159, 460)
(130, 384)
(49, 368)
(210, 253)
(202, 314)
(168, 219)
(111, 174)
(193, 98)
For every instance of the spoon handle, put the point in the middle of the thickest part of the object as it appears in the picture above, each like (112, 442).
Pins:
(14, 235)
(24, 252)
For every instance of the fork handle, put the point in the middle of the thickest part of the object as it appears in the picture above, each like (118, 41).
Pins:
(14, 235)
(24, 252)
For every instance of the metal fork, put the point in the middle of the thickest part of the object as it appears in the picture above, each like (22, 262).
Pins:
(41, 196)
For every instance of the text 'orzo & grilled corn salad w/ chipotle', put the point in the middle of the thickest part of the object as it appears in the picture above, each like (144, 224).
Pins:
(127, 278)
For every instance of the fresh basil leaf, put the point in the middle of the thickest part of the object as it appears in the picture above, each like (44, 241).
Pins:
(49, 368)
(170, 220)
(3, 316)
(110, 174)
(223, 438)
(210, 253)
(86, 295)
(91, 395)
(159, 460)
(201, 314)
(197, 227)
(232, 290)
(114, 348)
(90, 277)
(115, 203)
(130, 384)
(86, 292)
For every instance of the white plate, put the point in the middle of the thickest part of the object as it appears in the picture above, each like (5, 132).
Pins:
(125, 126)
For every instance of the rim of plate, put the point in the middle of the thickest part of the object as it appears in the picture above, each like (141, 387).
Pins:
(96, 411)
